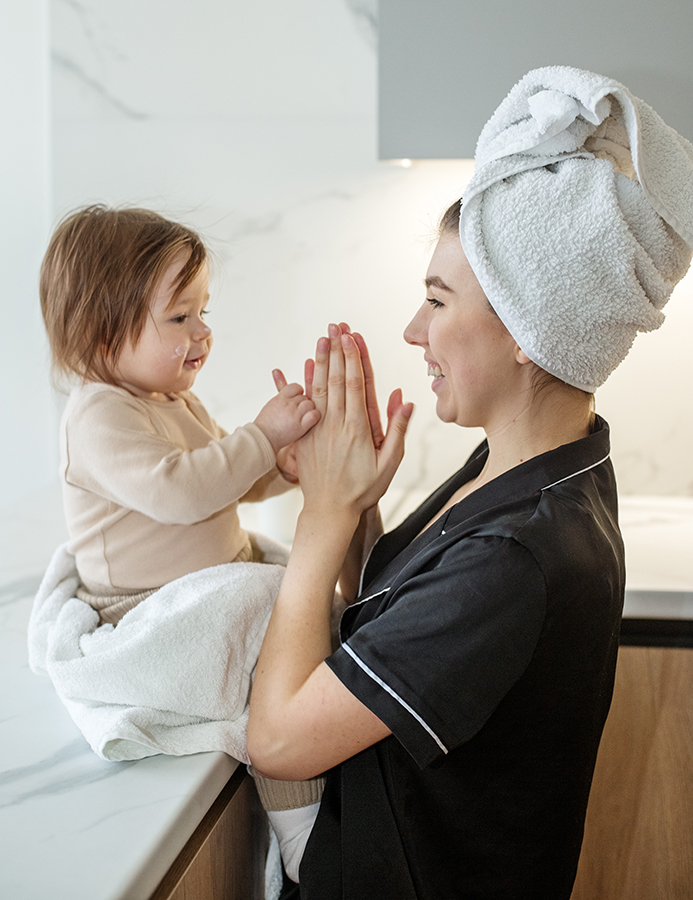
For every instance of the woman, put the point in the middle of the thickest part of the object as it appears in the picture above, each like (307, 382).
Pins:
(459, 719)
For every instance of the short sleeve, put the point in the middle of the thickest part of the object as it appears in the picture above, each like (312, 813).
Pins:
(447, 644)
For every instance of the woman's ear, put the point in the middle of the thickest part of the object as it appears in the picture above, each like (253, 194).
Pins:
(521, 356)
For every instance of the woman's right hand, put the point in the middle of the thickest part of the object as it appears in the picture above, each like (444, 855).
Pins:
(343, 463)
(303, 720)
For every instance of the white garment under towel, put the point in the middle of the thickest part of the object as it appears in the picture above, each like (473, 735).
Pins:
(174, 675)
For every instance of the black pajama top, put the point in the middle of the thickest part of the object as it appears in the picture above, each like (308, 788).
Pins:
(488, 646)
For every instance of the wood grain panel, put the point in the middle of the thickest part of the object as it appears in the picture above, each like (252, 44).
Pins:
(639, 831)
(225, 858)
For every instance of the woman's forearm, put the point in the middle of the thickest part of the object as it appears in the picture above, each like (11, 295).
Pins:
(298, 637)
(369, 529)
(303, 719)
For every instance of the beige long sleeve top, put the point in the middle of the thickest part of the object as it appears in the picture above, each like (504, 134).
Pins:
(151, 489)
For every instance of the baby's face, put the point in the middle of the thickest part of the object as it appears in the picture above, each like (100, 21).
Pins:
(175, 342)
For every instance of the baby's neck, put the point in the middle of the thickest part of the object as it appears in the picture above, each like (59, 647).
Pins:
(156, 396)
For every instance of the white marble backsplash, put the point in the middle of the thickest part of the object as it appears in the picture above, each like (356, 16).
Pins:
(257, 124)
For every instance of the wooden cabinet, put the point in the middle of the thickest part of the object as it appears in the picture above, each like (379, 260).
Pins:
(639, 831)
(225, 857)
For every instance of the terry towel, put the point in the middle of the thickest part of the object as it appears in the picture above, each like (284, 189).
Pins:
(174, 676)
(578, 221)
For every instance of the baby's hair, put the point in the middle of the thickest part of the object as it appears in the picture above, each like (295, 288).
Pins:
(98, 277)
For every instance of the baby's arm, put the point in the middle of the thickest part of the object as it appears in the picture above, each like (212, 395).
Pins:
(288, 416)
(115, 450)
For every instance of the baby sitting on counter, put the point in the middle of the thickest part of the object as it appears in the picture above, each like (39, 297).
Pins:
(151, 483)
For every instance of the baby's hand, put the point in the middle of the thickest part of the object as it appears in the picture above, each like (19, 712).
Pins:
(287, 464)
(288, 416)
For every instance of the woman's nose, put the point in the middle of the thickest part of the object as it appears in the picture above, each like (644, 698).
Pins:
(416, 331)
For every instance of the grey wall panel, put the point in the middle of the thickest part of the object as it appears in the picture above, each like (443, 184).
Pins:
(444, 65)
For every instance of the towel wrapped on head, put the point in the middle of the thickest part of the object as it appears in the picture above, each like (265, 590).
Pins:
(578, 221)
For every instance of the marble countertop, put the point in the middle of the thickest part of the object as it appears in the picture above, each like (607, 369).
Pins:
(73, 827)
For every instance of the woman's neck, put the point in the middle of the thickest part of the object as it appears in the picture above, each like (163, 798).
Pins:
(555, 416)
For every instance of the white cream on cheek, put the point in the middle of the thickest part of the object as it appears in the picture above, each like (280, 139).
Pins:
(181, 350)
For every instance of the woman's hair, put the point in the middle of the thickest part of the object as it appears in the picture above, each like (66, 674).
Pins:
(97, 279)
(450, 224)
(450, 220)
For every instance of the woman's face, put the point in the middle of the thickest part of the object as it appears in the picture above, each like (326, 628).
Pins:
(475, 363)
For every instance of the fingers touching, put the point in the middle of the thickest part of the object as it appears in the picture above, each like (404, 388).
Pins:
(342, 366)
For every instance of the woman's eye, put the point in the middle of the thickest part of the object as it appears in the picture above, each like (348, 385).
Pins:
(436, 304)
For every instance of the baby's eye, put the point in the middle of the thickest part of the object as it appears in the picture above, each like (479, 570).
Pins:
(205, 312)
(179, 319)
(436, 304)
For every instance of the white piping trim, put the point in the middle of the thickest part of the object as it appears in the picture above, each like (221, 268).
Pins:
(388, 689)
(586, 469)
(366, 599)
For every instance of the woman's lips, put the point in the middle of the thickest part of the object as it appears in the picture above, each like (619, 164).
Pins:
(438, 377)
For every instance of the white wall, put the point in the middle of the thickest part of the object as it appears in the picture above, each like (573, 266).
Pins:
(256, 122)
(27, 446)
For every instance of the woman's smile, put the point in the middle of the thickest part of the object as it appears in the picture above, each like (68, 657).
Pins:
(468, 351)
(436, 372)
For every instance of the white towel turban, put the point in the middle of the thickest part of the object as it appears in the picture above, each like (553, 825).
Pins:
(578, 221)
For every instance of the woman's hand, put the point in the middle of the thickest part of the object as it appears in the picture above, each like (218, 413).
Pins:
(286, 458)
(303, 720)
(345, 462)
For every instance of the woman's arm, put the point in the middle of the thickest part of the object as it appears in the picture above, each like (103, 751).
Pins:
(368, 530)
(303, 720)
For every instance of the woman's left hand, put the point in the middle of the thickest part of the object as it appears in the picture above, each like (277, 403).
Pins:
(303, 719)
(339, 464)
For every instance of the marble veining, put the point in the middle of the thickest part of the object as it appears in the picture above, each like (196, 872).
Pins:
(15, 591)
(71, 766)
(72, 826)
(73, 68)
(93, 51)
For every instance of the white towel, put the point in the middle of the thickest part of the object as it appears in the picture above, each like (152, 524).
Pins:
(174, 676)
(578, 221)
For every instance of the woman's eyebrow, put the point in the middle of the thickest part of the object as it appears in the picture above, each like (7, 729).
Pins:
(437, 282)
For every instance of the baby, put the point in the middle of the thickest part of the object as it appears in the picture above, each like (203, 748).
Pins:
(151, 483)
